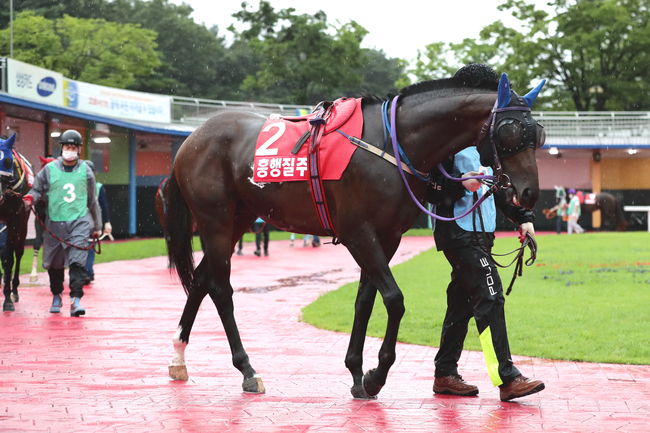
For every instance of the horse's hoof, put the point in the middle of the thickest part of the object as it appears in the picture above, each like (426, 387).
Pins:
(8, 306)
(254, 385)
(15, 297)
(178, 372)
(371, 387)
(358, 393)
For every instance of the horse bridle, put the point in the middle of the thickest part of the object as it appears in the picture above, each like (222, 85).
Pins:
(521, 119)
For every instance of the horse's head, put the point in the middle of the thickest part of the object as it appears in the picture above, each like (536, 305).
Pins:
(6, 161)
(511, 141)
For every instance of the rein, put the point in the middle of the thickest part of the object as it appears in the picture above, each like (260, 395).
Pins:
(391, 126)
(529, 241)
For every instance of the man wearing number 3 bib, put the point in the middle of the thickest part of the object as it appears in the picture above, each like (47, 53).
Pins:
(67, 184)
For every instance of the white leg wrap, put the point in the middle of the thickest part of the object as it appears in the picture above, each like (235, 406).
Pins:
(179, 350)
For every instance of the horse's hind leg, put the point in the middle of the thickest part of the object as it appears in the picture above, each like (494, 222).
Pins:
(177, 367)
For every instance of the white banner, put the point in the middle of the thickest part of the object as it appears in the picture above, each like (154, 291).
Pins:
(31, 82)
(109, 101)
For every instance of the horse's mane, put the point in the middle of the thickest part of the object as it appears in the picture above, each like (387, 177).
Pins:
(474, 75)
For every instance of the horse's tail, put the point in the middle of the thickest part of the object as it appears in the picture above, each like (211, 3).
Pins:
(178, 235)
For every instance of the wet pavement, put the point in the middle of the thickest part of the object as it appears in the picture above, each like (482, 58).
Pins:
(107, 372)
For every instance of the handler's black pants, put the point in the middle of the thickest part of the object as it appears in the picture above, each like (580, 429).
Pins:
(77, 278)
(475, 290)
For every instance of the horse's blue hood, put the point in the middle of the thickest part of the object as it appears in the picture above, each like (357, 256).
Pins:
(7, 156)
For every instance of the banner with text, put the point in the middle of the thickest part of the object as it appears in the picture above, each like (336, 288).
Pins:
(109, 101)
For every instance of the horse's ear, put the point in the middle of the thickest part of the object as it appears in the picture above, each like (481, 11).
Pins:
(9, 142)
(532, 95)
(503, 92)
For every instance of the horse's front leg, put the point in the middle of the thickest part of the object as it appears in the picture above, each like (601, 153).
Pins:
(8, 304)
(354, 357)
(373, 258)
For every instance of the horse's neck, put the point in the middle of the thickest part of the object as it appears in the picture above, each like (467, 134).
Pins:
(434, 128)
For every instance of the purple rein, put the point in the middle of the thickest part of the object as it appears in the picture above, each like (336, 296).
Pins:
(392, 128)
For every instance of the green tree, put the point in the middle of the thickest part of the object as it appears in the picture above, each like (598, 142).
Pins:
(194, 60)
(92, 50)
(595, 53)
(303, 59)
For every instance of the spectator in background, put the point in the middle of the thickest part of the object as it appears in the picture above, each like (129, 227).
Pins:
(240, 247)
(107, 228)
(261, 228)
(560, 208)
(573, 213)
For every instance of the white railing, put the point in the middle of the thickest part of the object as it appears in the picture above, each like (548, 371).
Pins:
(596, 128)
(194, 111)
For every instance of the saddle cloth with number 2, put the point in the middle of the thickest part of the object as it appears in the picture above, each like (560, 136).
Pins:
(274, 161)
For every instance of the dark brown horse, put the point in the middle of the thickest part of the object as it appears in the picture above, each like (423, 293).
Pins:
(15, 173)
(212, 184)
(611, 210)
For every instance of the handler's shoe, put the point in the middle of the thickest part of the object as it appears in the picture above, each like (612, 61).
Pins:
(519, 387)
(57, 303)
(76, 309)
(454, 385)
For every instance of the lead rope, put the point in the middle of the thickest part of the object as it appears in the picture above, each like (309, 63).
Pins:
(94, 243)
(529, 241)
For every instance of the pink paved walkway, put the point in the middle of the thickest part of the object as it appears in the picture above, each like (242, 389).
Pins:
(107, 372)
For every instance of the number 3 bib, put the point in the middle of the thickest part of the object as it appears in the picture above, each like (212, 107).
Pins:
(68, 194)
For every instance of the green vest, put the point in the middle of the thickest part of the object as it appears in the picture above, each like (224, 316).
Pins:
(98, 186)
(68, 194)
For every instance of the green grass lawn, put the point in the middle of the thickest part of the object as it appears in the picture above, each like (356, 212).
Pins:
(586, 298)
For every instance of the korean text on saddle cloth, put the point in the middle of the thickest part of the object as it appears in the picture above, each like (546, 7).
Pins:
(274, 161)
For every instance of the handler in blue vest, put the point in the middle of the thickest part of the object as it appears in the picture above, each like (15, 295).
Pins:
(475, 289)
(73, 215)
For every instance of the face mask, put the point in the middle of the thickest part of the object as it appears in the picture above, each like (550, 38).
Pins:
(70, 155)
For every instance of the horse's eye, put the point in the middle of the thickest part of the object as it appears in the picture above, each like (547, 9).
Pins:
(509, 133)
(541, 135)
(6, 163)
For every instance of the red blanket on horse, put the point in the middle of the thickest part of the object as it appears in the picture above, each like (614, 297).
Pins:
(274, 161)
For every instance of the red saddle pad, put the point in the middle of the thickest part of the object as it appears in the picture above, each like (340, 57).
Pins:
(274, 161)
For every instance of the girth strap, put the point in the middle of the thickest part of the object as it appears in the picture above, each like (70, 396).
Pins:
(316, 181)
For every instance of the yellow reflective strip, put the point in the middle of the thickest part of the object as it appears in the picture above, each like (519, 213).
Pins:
(490, 356)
